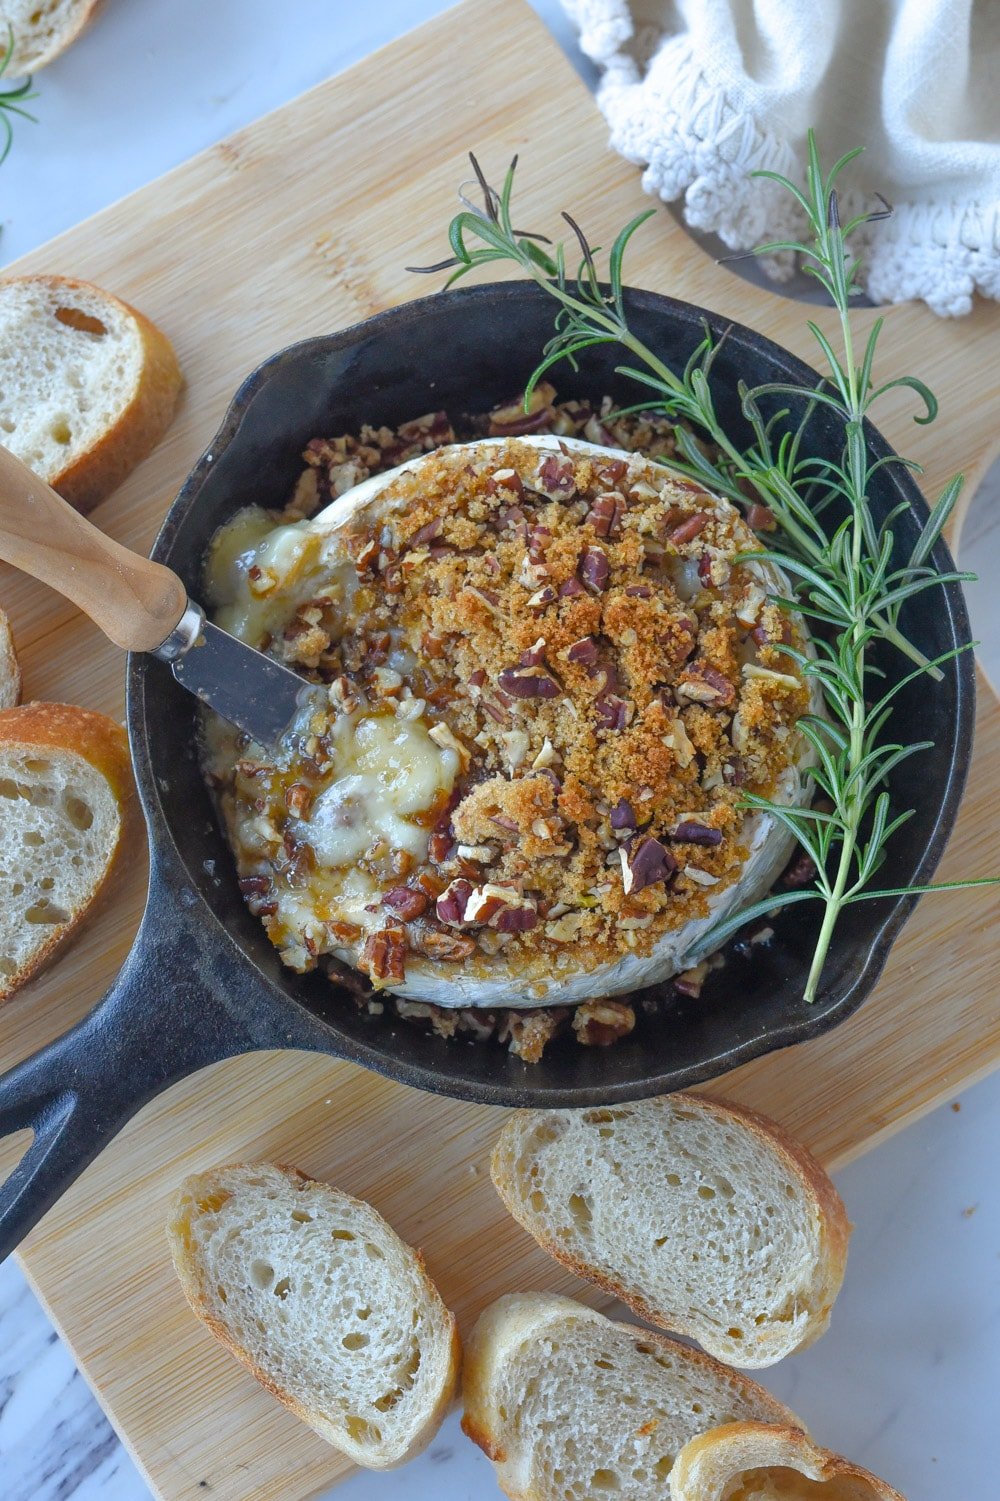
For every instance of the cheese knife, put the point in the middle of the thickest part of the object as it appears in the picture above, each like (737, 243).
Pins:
(144, 607)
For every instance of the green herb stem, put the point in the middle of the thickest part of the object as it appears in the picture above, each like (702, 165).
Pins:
(846, 580)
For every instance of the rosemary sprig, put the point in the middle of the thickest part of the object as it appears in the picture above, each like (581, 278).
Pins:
(12, 100)
(847, 580)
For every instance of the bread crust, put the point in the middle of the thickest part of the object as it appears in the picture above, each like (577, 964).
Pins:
(101, 741)
(515, 1317)
(189, 1273)
(24, 61)
(706, 1467)
(10, 668)
(835, 1227)
(102, 467)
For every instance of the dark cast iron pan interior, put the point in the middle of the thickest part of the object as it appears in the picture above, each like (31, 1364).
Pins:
(203, 982)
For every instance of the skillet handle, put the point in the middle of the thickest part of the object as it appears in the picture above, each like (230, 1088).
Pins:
(164, 1017)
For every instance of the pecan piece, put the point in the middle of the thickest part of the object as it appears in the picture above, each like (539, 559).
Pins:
(622, 815)
(688, 831)
(701, 683)
(762, 518)
(383, 957)
(452, 902)
(427, 533)
(555, 477)
(645, 862)
(598, 1024)
(448, 947)
(605, 515)
(612, 712)
(406, 902)
(584, 651)
(505, 479)
(688, 529)
(528, 682)
(594, 569)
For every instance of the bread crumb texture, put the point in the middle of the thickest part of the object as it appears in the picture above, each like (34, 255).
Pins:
(87, 384)
(318, 1296)
(572, 1406)
(65, 784)
(704, 1217)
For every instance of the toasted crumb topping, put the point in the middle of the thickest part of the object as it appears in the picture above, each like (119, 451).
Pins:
(601, 682)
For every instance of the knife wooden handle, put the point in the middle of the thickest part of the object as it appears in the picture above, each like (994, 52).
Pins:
(135, 602)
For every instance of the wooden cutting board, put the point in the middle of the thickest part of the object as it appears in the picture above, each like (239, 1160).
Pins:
(300, 224)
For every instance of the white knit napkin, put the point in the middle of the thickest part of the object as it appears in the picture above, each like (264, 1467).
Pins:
(701, 92)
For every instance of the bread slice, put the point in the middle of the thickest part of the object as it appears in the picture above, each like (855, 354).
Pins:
(66, 797)
(322, 1302)
(10, 671)
(755, 1462)
(87, 384)
(42, 29)
(568, 1403)
(704, 1217)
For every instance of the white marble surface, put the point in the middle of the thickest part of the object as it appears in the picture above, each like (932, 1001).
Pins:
(907, 1379)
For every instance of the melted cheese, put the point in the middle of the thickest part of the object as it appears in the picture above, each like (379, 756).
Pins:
(385, 771)
(289, 563)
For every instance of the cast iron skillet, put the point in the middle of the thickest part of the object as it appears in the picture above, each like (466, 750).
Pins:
(203, 983)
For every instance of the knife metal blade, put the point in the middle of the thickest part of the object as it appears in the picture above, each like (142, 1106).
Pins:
(254, 692)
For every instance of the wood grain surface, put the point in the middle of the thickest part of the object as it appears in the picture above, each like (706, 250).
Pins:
(297, 225)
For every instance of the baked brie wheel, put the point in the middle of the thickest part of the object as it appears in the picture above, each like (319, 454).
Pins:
(551, 684)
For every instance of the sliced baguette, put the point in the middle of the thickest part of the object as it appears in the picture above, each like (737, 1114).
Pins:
(755, 1462)
(42, 29)
(567, 1403)
(10, 671)
(704, 1217)
(87, 384)
(322, 1302)
(66, 798)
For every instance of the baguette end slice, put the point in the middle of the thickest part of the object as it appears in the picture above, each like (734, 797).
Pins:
(652, 1203)
(765, 1463)
(10, 671)
(67, 805)
(566, 1402)
(89, 384)
(314, 1293)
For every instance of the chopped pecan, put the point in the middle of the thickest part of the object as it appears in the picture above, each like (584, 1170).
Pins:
(555, 477)
(622, 815)
(528, 682)
(427, 533)
(612, 712)
(688, 529)
(452, 902)
(505, 479)
(688, 831)
(584, 651)
(594, 569)
(605, 515)
(510, 419)
(406, 902)
(701, 683)
(448, 947)
(528, 1032)
(645, 862)
(383, 957)
(762, 518)
(298, 799)
(598, 1024)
